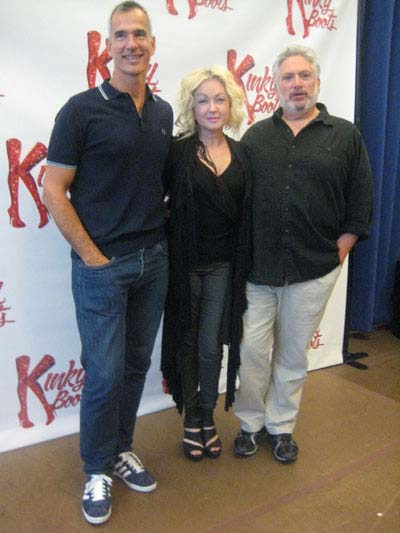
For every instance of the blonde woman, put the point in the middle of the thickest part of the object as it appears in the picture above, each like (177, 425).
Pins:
(208, 182)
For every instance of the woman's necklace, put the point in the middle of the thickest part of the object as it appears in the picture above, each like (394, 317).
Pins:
(204, 154)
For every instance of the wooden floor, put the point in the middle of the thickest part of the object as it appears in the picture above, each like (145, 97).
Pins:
(347, 477)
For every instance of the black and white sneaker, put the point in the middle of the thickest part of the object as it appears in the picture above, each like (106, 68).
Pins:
(96, 501)
(131, 470)
(283, 447)
(246, 443)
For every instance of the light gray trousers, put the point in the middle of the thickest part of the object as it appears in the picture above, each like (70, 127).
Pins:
(278, 326)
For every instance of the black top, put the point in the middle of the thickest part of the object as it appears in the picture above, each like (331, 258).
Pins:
(308, 190)
(119, 158)
(217, 231)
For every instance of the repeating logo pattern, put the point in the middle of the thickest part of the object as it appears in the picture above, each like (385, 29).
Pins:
(57, 390)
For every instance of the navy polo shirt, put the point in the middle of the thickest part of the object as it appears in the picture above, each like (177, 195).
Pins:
(119, 159)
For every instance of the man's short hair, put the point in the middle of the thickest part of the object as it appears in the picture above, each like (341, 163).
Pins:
(296, 50)
(123, 7)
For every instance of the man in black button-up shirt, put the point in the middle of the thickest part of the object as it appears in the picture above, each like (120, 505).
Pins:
(312, 202)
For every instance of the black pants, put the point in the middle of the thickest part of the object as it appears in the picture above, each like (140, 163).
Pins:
(201, 354)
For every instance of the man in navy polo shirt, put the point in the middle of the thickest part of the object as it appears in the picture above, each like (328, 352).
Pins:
(108, 149)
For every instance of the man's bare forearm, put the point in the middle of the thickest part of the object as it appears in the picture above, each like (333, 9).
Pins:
(57, 202)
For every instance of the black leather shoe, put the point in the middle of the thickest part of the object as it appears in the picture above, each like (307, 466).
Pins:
(283, 447)
(246, 443)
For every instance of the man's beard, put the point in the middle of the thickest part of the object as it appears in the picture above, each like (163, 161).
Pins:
(293, 107)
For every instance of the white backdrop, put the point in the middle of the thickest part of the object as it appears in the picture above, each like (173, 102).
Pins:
(52, 49)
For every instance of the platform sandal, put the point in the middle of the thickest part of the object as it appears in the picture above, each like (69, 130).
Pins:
(192, 443)
(212, 442)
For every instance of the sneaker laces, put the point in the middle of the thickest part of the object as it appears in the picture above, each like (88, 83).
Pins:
(98, 487)
(131, 462)
(285, 442)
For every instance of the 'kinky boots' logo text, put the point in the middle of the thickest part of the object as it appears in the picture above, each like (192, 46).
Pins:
(97, 62)
(316, 341)
(22, 171)
(260, 93)
(3, 310)
(54, 390)
(314, 14)
(221, 5)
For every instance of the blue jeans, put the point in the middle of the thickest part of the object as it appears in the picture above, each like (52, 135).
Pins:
(201, 353)
(118, 308)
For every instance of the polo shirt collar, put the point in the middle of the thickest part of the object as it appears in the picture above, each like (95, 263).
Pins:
(323, 116)
(108, 92)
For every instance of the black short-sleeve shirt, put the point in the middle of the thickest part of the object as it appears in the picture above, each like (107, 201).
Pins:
(119, 158)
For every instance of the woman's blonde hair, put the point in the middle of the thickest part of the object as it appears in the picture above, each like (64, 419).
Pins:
(185, 122)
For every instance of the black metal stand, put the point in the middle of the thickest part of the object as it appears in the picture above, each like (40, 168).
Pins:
(395, 325)
(349, 358)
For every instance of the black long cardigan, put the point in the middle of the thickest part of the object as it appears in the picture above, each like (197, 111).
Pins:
(182, 242)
